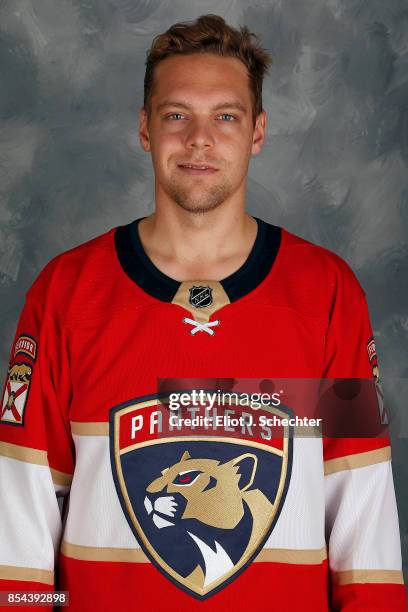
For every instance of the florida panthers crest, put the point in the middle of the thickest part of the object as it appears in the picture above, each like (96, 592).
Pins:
(201, 505)
(17, 385)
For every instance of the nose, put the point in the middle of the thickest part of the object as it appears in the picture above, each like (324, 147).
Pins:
(199, 134)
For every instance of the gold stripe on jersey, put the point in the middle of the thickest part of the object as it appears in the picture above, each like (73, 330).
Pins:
(349, 462)
(307, 431)
(36, 457)
(90, 429)
(136, 555)
(23, 453)
(368, 576)
(95, 553)
(293, 556)
(30, 574)
(60, 478)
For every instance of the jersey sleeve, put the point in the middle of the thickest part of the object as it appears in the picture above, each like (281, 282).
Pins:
(362, 527)
(36, 448)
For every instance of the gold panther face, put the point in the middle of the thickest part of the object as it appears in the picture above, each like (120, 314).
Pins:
(213, 491)
(208, 500)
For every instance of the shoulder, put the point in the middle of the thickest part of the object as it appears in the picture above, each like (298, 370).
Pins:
(319, 270)
(83, 264)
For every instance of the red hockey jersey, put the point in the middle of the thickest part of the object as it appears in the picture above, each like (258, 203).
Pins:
(168, 518)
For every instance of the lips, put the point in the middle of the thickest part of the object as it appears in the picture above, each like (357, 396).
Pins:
(197, 166)
(197, 169)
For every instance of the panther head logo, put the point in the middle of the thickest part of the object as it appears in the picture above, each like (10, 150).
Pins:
(20, 372)
(213, 500)
(201, 507)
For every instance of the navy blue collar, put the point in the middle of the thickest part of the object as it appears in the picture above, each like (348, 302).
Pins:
(139, 267)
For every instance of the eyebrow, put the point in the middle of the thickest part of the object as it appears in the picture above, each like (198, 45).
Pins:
(228, 104)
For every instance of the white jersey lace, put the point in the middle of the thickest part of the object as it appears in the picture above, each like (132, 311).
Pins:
(201, 326)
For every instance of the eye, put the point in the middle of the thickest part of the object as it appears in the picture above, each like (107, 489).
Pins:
(186, 478)
(172, 115)
(227, 115)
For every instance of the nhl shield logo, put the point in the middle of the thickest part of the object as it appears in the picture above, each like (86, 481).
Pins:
(200, 296)
(200, 506)
(15, 393)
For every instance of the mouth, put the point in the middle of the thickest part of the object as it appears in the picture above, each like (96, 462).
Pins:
(197, 169)
(167, 507)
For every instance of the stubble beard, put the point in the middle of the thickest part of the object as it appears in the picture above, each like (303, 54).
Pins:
(201, 198)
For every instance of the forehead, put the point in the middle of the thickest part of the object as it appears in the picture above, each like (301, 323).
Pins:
(201, 78)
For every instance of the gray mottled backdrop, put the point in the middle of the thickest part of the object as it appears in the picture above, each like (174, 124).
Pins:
(333, 169)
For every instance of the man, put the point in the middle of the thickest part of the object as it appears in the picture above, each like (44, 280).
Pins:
(162, 516)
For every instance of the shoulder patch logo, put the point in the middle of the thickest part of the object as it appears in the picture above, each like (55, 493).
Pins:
(26, 344)
(371, 352)
(372, 356)
(17, 385)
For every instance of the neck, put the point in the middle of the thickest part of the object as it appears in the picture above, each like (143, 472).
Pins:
(185, 245)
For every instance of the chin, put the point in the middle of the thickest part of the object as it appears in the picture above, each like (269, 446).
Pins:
(186, 200)
(198, 207)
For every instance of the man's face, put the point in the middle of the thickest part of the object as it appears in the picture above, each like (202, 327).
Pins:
(201, 113)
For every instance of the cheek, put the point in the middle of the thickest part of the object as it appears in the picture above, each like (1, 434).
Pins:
(235, 144)
(161, 154)
(168, 146)
(237, 158)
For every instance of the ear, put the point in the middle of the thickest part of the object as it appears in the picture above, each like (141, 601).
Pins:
(144, 136)
(246, 465)
(259, 133)
(186, 455)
